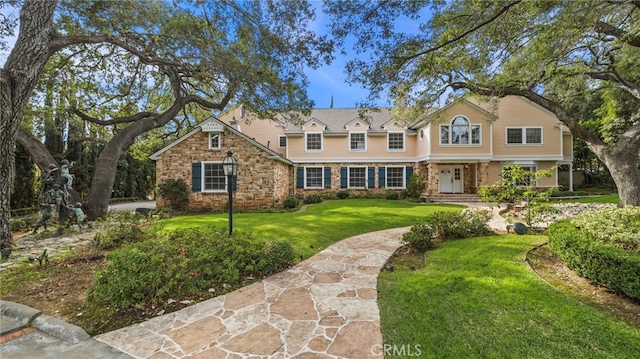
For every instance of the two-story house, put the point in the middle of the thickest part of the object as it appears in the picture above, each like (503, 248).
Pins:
(456, 149)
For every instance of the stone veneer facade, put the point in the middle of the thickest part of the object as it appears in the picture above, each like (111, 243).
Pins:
(335, 178)
(263, 182)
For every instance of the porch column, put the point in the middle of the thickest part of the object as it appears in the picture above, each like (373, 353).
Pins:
(483, 174)
(432, 183)
(571, 177)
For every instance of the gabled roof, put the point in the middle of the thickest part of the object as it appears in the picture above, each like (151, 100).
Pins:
(335, 119)
(210, 120)
(464, 101)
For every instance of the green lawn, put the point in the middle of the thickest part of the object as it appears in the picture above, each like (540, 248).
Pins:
(478, 298)
(609, 198)
(320, 225)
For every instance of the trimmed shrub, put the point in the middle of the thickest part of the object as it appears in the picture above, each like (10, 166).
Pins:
(313, 198)
(185, 263)
(420, 237)
(392, 195)
(343, 194)
(602, 263)
(463, 224)
(291, 202)
(619, 227)
(175, 191)
(415, 186)
(448, 225)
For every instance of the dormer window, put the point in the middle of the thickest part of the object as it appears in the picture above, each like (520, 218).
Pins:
(215, 141)
(313, 141)
(395, 141)
(460, 132)
(357, 141)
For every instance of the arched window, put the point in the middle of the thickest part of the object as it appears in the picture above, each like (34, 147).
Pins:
(460, 132)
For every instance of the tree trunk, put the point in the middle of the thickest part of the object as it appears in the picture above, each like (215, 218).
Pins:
(18, 78)
(623, 167)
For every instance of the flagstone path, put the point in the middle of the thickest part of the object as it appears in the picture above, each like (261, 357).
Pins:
(324, 307)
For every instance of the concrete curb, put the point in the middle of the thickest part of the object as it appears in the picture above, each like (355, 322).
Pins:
(62, 330)
(55, 327)
(18, 312)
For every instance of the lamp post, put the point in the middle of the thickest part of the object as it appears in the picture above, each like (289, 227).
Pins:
(230, 169)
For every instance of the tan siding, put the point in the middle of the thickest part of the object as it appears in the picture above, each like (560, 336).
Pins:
(515, 112)
(338, 148)
(475, 117)
(264, 131)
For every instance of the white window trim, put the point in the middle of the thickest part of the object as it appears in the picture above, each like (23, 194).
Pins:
(524, 136)
(404, 177)
(365, 142)
(202, 179)
(366, 177)
(306, 143)
(450, 125)
(219, 134)
(285, 141)
(404, 142)
(321, 174)
(532, 166)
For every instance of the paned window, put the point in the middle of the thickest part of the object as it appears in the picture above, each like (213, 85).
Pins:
(395, 177)
(282, 141)
(214, 141)
(357, 177)
(396, 140)
(313, 177)
(214, 178)
(314, 141)
(524, 135)
(357, 141)
(460, 132)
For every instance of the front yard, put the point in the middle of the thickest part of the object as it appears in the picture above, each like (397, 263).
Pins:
(477, 297)
(474, 298)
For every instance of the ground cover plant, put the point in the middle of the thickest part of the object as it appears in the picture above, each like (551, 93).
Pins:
(477, 297)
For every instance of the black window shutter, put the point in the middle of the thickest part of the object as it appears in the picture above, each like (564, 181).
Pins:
(327, 177)
(371, 177)
(382, 177)
(343, 177)
(409, 173)
(300, 177)
(196, 177)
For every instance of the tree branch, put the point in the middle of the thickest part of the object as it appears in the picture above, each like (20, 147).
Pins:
(608, 29)
(113, 121)
(464, 34)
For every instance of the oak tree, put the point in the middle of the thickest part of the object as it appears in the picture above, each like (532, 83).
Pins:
(552, 53)
(188, 54)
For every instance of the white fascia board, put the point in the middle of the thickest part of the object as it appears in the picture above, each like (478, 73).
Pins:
(455, 158)
(529, 158)
(156, 156)
(352, 160)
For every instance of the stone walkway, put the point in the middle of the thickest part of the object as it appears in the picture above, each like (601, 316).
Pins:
(324, 307)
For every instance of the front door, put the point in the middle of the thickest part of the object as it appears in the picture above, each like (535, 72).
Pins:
(450, 179)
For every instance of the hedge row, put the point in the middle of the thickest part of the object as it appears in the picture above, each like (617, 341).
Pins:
(600, 262)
